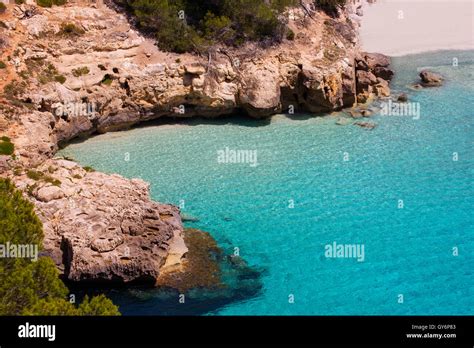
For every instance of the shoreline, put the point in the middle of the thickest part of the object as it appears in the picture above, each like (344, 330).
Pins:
(401, 27)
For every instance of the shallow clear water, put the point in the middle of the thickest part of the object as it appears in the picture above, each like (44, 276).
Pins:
(408, 251)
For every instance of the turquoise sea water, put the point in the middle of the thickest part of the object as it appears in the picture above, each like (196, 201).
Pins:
(300, 159)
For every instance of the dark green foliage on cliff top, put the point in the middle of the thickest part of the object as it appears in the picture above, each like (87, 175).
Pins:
(33, 287)
(330, 6)
(3, 8)
(190, 25)
(50, 3)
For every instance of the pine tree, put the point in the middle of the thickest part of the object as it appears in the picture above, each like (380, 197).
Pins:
(33, 287)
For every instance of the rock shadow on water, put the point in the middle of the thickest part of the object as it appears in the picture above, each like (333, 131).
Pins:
(209, 281)
(239, 118)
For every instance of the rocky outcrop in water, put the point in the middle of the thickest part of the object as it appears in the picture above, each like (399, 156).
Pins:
(430, 79)
(372, 74)
(99, 227)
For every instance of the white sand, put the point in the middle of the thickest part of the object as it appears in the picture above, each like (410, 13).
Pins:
(424, 25)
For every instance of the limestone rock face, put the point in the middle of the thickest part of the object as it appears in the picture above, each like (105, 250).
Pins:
(49, 193)
(373, 74)
(376, 60)
(103, 228)
(320, 92)
(195, 69)
(260, 91)
(365, 79)
(37, 25)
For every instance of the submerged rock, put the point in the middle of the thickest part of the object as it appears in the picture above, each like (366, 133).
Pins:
(200, 268)
(188, 218)
(366, 125)
(343, 121)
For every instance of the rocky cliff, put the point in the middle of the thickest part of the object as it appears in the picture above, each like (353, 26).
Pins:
(76, 70)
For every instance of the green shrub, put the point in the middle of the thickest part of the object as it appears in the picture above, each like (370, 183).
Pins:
(14, 89)
(330, 6)
(34, 175)
(60, 78)
(80, 71)
(49, 74)
(88, 169)
(52, 180)
(50, 3)
(44, 3)
(6, 146)
(37, 176)
(70, 29)
(290, 35)
(3, 8)
(107, 80)
(2, 65)
(28, 287)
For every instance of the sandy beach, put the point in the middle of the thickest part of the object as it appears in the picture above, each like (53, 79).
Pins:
(399, 27)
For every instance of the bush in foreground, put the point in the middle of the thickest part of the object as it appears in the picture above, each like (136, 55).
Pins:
(33, 287)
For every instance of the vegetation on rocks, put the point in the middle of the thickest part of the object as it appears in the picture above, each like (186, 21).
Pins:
(6, 146)
(39, 176)
(201, 265)
(30, 287)
(50, 3)
(70, 29)
(89, 169)
(84, 70)
(188, 25)
(330, 6)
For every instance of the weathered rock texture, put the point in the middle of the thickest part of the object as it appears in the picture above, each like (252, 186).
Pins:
(101, 227)
(430, 79)
(102, 75)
